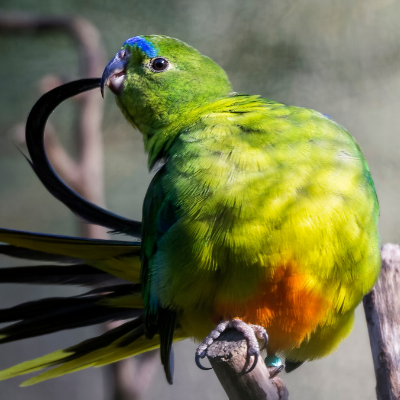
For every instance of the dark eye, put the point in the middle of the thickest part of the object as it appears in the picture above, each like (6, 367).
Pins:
(159, 64)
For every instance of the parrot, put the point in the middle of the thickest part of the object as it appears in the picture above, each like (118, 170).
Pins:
(260, 217)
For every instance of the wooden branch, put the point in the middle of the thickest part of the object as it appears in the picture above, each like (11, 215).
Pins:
(382, 310)
(228, 357)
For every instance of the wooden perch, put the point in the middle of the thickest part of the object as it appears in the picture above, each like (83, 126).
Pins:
(228, 357)
(382, 310)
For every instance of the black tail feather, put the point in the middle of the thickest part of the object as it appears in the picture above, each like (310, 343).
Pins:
(83, 275)
(135, 327)
(34, 139)
(54, 314)
(34, 255)
(59, 305)
(132, 335)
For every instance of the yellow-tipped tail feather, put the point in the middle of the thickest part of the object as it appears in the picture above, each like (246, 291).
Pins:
(113, 352)
(118, 258)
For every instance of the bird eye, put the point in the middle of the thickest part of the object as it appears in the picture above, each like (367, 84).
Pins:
(159, 64)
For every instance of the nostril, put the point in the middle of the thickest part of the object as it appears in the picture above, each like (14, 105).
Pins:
(122, 54)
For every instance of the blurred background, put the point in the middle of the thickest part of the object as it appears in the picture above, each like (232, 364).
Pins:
(341, 58)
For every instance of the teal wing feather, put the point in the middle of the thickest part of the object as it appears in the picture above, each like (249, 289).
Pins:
(158, 216)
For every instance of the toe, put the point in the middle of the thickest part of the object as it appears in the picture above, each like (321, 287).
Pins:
(198, 363)
(254, 363)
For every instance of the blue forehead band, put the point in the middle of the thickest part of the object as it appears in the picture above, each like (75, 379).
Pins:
(143, 44)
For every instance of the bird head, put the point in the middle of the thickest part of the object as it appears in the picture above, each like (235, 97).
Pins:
(157, 79)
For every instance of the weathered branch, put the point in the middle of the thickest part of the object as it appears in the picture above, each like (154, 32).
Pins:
(228, 357)
(382, 310)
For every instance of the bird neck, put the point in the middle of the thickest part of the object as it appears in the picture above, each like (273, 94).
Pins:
(159, 138)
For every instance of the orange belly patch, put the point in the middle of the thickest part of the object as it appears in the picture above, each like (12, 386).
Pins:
(287, 305)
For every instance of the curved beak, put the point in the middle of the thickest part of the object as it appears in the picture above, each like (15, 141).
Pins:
(115, 72)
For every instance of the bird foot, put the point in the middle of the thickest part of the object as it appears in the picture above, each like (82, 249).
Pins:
(250, 332)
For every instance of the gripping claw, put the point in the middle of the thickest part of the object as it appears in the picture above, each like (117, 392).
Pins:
(254, 363)
(198, 363)
(265, 339)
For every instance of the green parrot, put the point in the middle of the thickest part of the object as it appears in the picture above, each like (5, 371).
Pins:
(261, 216)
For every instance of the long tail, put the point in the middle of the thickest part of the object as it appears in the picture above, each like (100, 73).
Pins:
(107, 303)
(114, 265)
